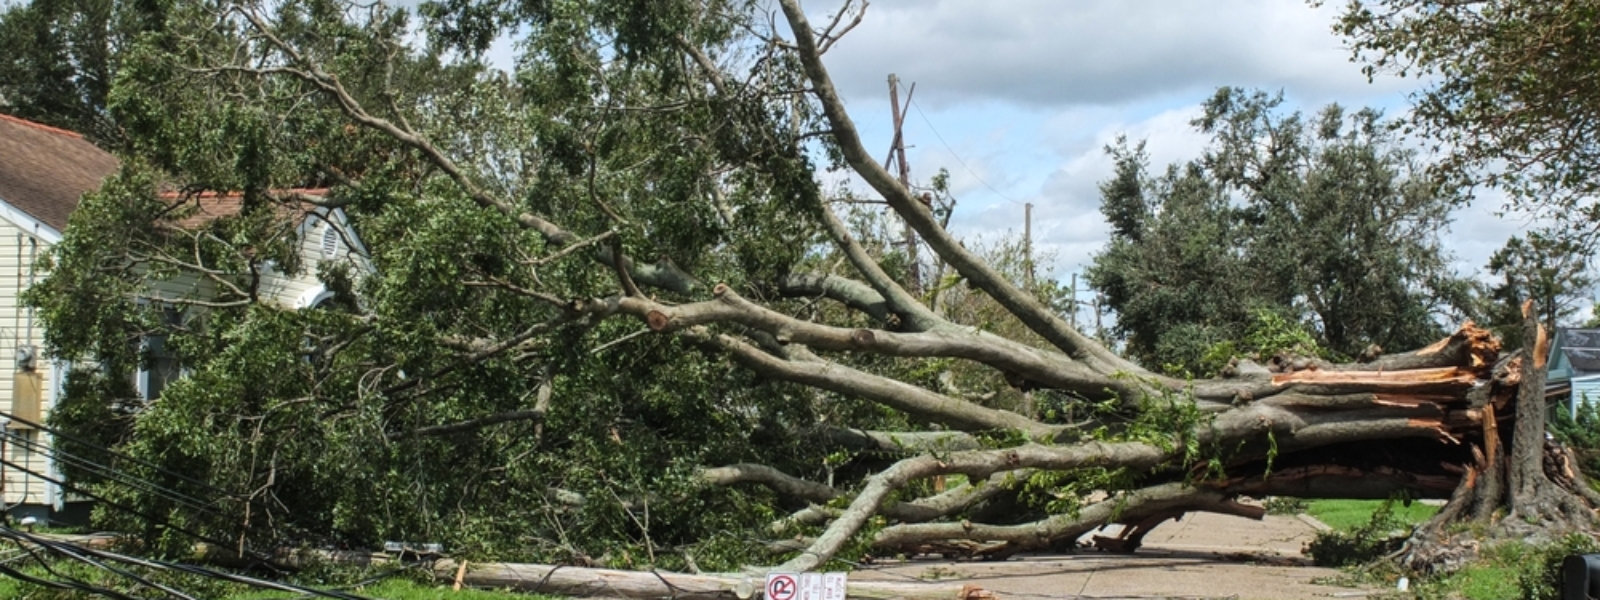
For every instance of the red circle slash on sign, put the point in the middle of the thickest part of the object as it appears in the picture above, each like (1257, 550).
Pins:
(782, 587)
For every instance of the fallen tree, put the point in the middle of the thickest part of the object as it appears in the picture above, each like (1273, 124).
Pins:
(491, 372)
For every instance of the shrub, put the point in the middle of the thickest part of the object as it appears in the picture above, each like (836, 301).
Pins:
(1382, 534)
(1285, 505)
(1540, 576)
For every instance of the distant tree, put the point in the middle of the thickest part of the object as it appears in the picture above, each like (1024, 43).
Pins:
(58, 63)
(1328, 223)
(1551, 269)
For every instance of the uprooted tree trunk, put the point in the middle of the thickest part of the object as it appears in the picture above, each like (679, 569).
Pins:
(1452, 420)
(1520, 483)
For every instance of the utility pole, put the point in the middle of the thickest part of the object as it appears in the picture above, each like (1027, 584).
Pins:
(1072, 302)
(897, 154)
(1027, 242)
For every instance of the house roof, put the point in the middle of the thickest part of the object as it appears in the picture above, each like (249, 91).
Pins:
(1574, 353)
(44, 170)
(210, 206)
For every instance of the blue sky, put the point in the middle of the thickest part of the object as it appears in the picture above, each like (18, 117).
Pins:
(1018, 98)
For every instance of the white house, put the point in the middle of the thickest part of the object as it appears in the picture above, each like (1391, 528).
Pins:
(44, 171)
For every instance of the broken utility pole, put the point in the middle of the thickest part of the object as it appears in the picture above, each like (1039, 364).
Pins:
(897, 154)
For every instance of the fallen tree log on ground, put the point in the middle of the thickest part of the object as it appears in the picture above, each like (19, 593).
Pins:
(578, 581)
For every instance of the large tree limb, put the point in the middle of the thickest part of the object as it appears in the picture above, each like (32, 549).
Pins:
(915, 401)
(849, 292)
(1130, 506)
(779, 481)
(917, 316)
(1044, 367)
(1021, 304)
(922, 509)
(902, 441)
(977, 465)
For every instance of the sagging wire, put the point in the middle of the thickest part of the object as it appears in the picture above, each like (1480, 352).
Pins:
(116, 454)
(84, 554)
(111, 473)
(248, 553)
(131, 480)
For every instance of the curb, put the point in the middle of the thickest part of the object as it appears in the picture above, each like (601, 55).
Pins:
(1313, 522)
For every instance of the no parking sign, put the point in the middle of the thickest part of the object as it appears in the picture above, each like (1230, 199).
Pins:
(805, 586)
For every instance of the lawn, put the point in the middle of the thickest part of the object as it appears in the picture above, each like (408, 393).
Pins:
(391, 589)
(1346, 515)
(405, 589)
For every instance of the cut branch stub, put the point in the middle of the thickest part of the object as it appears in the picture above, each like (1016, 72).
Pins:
(657, 321)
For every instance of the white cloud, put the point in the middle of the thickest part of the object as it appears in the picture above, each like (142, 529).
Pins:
(1050, 53)
(1067, 219)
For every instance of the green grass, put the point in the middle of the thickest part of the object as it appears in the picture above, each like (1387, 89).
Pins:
(1346, 515)
(406, 589)
(1487, 581)
(396, 588)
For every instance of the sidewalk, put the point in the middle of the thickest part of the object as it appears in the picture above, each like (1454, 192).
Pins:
(1204, 555)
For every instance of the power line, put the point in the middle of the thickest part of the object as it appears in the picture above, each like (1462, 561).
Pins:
(134, 482)
(953, 154)
(99, 559)
(112, 474)
(115, 454)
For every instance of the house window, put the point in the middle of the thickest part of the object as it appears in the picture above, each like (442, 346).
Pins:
(158, 365)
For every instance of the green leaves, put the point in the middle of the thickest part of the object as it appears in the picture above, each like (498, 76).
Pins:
(1509, 96)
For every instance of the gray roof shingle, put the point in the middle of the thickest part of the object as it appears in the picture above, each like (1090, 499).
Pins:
(44, 170)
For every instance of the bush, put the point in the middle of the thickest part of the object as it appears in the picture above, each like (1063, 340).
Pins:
(1540, 576)
(1285, 505)
(1382, 534)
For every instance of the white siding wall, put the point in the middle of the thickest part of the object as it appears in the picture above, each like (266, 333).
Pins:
(286, 290)
(1585, 389)
(19, 328)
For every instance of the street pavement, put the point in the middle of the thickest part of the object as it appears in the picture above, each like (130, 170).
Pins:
(1204, 555)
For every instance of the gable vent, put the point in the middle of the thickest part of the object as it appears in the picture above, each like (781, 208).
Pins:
(330, 242)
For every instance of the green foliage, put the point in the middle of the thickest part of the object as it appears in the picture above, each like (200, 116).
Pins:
(1539, 575)
(1367, 543)
(1327, 223)
(1285, 505)
(1356, 541)
(307, 420)
(1507, 109)
(1269, 335)
(1580, 433)
(1548, 267)
(61, 60)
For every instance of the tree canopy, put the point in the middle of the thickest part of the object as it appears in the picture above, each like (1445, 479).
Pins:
(1327, 223)
(1511, 97)
(613, 318)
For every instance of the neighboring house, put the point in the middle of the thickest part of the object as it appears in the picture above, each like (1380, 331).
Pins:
(1574, 375)
(43, 173)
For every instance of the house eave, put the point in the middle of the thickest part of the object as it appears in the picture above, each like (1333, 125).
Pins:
(28, 224)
